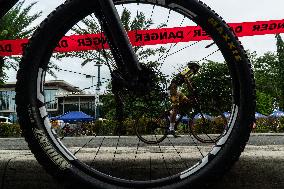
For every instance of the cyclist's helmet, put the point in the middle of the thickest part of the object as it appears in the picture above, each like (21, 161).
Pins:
(193, 66)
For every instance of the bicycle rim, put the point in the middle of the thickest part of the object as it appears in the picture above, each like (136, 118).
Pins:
(113, 150)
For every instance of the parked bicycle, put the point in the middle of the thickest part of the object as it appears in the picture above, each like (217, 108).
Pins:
(139, 77)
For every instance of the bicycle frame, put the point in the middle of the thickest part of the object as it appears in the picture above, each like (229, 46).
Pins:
(118, 40)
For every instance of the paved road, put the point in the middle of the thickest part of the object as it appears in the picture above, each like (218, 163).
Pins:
(20, 144)
(261, 166)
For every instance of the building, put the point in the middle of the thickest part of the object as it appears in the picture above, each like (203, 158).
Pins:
(60, 97)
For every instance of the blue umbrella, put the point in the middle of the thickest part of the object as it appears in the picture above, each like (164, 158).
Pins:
(185, 119)
(199, 116)
(72, 117)
(259, 115)
(226, 114)
(277, 113)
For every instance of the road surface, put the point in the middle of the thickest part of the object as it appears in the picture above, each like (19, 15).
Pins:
(261, 166)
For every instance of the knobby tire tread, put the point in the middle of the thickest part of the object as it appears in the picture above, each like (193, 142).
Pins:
(225, 163)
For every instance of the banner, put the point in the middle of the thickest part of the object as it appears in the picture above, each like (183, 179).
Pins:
(146, 37)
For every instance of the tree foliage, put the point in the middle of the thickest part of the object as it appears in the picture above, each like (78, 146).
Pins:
(266, 79)
(269, 77)
(264, 103)
(16, 24)
(213, 87)
(266, 73)
(280, 66)
(92, 26)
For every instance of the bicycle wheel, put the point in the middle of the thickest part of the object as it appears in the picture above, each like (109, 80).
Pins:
(152, 129)
(114, 157)
(208, 128)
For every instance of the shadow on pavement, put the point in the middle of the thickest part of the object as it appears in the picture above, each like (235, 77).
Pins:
(248, 173)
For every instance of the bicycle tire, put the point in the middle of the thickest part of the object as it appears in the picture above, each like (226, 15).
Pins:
(70, 171)
(155, 136)
(207, 138)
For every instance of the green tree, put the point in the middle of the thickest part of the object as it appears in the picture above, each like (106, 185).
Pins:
(130, 23)
(16, 24)
(266, 73)
(264, 103)
(280, 67)
(213, 90)
(266, 79)
(213, 87)
(269, 76)
(92, 26)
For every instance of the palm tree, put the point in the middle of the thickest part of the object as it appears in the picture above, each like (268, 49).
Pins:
(91, 26)
(16, 24)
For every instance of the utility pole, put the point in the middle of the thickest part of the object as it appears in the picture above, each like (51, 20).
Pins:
(92, 92)
(280, 56)
(98, 88)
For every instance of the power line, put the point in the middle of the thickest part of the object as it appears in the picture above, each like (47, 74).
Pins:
(71, 71)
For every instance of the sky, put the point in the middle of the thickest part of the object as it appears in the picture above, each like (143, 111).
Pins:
(249, 11)
(231, 11)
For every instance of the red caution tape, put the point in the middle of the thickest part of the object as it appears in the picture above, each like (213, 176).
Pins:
(146, 37)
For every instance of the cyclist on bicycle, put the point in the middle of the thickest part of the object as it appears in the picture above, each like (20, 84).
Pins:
(180, 102)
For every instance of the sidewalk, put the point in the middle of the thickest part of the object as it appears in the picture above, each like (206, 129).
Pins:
(260, 167)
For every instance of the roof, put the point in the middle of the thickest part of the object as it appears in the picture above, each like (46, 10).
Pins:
(76, 95)
(51, 83)
(62, 84)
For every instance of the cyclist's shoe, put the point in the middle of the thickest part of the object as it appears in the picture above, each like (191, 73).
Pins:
(173, 132)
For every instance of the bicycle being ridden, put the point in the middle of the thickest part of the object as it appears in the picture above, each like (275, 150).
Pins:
(197, 123)
(180, 102)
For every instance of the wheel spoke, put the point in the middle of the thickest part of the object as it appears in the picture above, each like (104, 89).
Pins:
(134, 117)
(97, 152)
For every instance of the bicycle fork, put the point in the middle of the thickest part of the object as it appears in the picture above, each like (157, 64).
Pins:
(118, 40)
